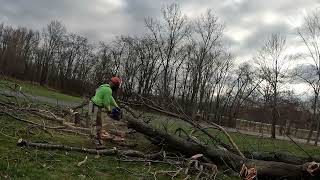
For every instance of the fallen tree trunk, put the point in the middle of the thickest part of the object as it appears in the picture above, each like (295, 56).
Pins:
(232, 148)
(264, 169)
(279, 157)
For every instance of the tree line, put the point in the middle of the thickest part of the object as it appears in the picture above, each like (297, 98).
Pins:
(180, 63)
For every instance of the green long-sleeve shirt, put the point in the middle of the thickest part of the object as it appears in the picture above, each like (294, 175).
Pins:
(103, 97)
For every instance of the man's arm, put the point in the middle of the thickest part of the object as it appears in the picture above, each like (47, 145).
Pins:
(109, 100)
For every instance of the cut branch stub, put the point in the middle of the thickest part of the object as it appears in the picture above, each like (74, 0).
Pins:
(248, 173)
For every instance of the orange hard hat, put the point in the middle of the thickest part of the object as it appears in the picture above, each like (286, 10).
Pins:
(116, 81)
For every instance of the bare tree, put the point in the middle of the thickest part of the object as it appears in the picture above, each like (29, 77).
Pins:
(207, 39)
(146, 56)
(17, 49)
(309, 33)
(31, 47)
(273, 63)
(244, 85)
(223, 67)
(53, 36)
(103, 67)
(168, 35)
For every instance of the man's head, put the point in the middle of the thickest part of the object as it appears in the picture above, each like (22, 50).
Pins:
(115, 83)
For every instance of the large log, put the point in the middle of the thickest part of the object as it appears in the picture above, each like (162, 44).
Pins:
(232, 148)
(279, 157)
(264, 169)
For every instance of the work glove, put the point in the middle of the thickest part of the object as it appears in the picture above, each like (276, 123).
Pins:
(116, 113)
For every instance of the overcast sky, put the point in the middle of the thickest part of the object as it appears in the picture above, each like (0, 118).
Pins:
(248, 22)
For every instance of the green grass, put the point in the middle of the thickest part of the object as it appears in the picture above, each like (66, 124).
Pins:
(38, 90)
(30, 163)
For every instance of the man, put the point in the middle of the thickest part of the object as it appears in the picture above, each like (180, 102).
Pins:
(102, 99)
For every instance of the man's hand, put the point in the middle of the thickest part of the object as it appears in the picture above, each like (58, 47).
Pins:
(116, 113)
(106, 111)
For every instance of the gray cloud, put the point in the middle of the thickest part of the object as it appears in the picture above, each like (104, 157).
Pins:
(260, 36)
(248, 22)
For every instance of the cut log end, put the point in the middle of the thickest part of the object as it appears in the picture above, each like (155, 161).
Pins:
(313, 168)
(21, 142)
(248, 173)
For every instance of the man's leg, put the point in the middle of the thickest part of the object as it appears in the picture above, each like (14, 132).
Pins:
(93, 115)
(99, 124)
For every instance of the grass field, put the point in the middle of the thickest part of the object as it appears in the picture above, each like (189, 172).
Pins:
(37, 90)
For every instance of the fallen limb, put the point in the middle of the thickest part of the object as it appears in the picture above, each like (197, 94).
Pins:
(229, 138)
(73, 132)
(7, 95)
(30, 122)
(52, 118)
(83, 104)
(82, 162)
(299, 147)
(152, 161)
(72, 127)
(60, 120)
(264, 169)
(105, 152)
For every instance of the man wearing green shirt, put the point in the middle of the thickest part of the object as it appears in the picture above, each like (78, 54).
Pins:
(102, 99)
